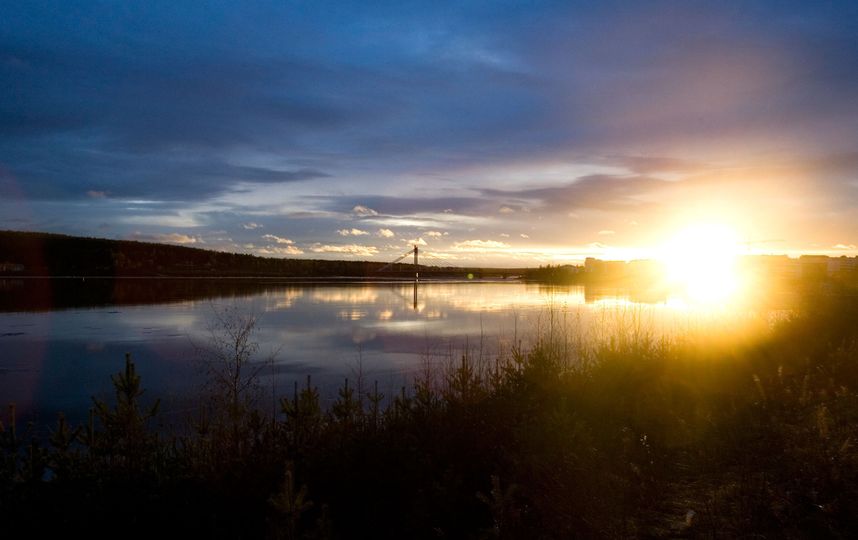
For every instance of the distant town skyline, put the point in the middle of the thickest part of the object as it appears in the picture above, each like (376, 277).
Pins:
(493, 134)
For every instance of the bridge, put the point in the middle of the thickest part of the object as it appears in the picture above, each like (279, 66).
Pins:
(396, 268)
(413, 271)
(415, 250)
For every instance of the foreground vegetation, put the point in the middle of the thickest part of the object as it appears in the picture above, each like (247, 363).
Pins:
(628, 436)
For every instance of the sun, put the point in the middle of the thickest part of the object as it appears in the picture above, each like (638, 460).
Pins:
(700, 260)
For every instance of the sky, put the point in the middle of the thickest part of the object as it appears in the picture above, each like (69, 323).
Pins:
(490, 133)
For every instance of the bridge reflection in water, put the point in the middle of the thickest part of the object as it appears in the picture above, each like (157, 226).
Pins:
(415, 250)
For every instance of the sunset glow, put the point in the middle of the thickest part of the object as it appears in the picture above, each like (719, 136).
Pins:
(701, 260)
(355, 143)
(429, 269)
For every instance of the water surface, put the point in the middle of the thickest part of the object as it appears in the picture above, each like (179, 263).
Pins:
(61, 340)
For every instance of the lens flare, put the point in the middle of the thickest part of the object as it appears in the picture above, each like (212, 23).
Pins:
(701, 261)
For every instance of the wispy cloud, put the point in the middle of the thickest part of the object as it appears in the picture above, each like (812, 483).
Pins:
(277, 239)
(168, 238)
(350, 249)
(363, 211)
(478, 246)
(275, 251)
(352, 232)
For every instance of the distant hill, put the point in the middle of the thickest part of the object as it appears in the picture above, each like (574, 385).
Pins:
(55, 255)
(45, 254)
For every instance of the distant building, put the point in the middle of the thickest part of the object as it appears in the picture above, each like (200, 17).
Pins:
(645, 269)
(11, 267)
(595, 266)
(771, 266)
(842, 265)
(813, 266)
(615, 268)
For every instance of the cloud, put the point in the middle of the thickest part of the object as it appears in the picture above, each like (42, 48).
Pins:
(157, 219)
(845, 247)
(385, 233)
(524, 235)
(167, 238)
(479, 246)
(503, 235)
(436, 234)
(363, 211)
(277, 239)
(67, 172)
(351, 232)
(599, 191)
(656, 164)
(288, 250)
(251, 226)
(416, 242)
(423, 124)
(262, 175)
(368, 206)
(351, 249)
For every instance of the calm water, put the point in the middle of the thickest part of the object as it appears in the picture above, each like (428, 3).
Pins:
(59, 347)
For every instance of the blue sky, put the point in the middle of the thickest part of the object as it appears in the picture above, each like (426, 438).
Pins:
(489, 132)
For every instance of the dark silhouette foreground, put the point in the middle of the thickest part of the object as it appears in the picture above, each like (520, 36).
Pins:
(629, 437)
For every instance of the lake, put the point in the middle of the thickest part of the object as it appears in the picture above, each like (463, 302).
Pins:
(60, 340)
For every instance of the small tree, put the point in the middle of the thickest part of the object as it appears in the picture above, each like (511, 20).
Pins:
(64, 456)
(228, 357)
(125, 440)
(303, 414)
(232, 369)
(346, 409)
(289, 505)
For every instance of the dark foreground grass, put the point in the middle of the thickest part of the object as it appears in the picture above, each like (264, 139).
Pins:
(630, 437)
